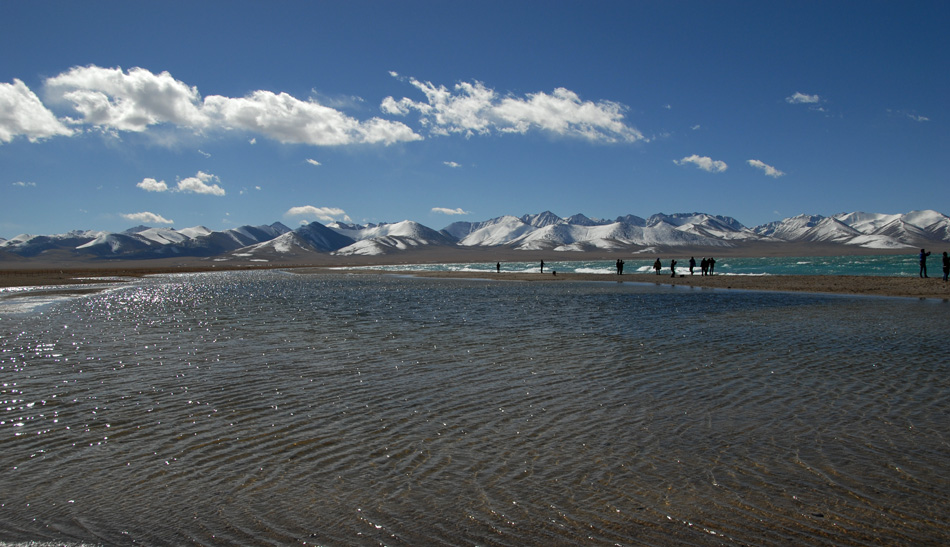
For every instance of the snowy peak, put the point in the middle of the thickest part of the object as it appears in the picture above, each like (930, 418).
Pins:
(541, 220)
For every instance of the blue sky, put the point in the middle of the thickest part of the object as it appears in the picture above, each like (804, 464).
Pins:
(115, 114)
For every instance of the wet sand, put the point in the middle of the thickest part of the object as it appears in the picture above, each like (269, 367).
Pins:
(72, 281)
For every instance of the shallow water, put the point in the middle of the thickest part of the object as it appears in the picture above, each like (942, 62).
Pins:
(270, 408)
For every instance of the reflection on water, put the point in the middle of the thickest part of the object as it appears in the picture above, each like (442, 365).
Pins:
(274, 408)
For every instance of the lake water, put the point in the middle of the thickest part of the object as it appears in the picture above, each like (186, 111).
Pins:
(886, 265)
(274, 408)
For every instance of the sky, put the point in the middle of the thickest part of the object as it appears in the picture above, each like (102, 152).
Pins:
(115, 114)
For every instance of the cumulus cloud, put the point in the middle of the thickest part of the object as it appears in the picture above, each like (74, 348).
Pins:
(22, 114)
(198, 184)
(766, 168)
(112, 99)
(802, 98)
(452, 164)
(472, 108)
(313, 162)
(25, 184)
(147, 218)
(152, 185)
(326, 214)
(446, 211)
(703, 162)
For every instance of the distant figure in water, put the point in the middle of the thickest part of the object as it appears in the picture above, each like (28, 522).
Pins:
(704, 266)
(946, 266)
(692, 264)
(923, 263)
(673, 268)
(657, 266)
(712, 265)
(542, 266)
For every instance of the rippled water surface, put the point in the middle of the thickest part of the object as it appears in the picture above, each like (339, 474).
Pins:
(270, 408)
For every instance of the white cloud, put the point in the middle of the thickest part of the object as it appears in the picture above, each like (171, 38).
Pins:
(25, 184)
(314, 162)
(326, 214)
(446, 211)
(128, 101)
(696, 127)
(768, 169)
(473, 108)
(152, 185)
(917, 118)
(203, 153)
(452, 164)
(703, 162)
(289, 120)
(111, 99)
(802, 98)
(147, 218)
(198, 184)
(22, 114)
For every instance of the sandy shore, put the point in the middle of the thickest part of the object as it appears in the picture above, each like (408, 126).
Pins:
(912, 287)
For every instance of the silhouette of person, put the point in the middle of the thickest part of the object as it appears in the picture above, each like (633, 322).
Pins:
(692, 264)
(712, 265)
(621, 267)
(657, 266)
(498, 267)
(923, 263)
(704, 266)
(946, 266)
(673, 268)
(542, 266)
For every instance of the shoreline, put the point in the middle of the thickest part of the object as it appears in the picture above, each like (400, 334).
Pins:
(77, 281)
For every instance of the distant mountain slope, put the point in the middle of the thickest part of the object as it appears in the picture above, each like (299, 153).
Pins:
(532, 232)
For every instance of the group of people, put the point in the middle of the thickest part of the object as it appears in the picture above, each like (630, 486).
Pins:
(707, 266)
(923, 264)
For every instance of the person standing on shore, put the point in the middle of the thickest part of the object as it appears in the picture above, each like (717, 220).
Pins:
(703, 266)
(692, 264)
(946, 266)
(923, 263)
(712, 265)
(542, 266)
(497, 267)
(673, 268)
(657, 266)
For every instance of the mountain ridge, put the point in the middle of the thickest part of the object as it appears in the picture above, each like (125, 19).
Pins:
(531, 232)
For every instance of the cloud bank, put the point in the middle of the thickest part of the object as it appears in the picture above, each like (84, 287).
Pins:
(471, 108)
(134, 100)
(703, 162)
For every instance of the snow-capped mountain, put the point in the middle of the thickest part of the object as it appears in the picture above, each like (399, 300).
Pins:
(376, 239)
(143, 242)
(534, 232)
(868, 230)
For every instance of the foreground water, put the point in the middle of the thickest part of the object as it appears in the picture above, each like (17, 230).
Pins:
(270, 408)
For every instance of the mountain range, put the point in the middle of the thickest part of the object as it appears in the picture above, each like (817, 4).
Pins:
(539, 232)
